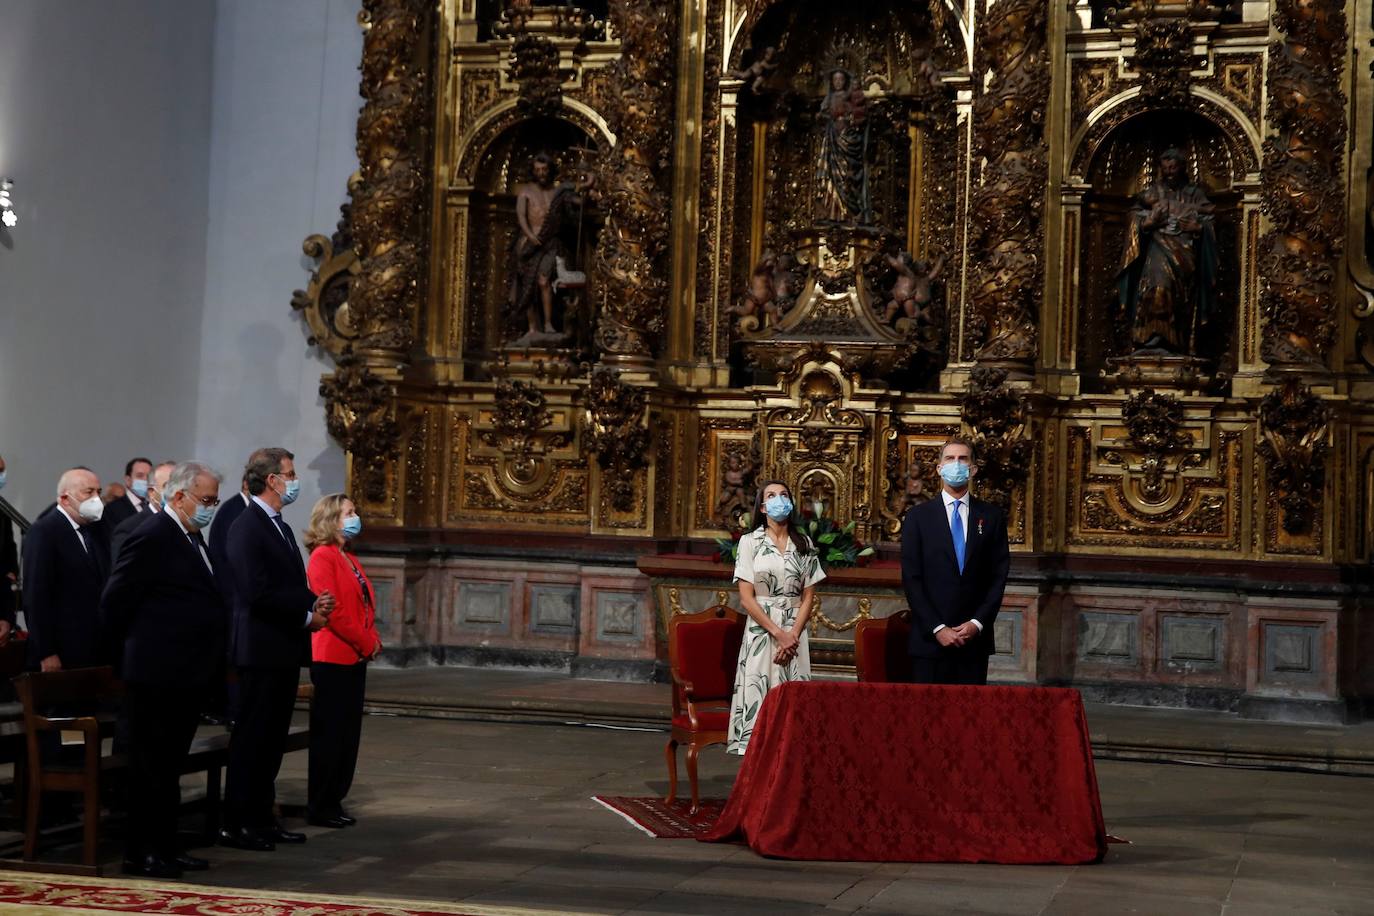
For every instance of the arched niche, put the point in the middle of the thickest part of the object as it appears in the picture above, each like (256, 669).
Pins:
(894, 53)
(496, 174)
(1120, 165)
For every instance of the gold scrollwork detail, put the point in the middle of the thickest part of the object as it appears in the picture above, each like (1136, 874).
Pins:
(819, 618)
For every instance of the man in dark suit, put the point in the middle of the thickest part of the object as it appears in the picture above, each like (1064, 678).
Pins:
(120, 533)
(134, 501)
(66, 562)
(955, 559)
(274, 614)
(164, 597)
(229, 512)
(9, 570)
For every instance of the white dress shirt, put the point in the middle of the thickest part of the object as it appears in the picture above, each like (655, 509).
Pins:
(80, 539)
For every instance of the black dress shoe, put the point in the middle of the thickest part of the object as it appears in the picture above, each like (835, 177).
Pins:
(279, 835)
(244, 838)
(348, 819)
(191, 863)
(151, 866)
(337, 821)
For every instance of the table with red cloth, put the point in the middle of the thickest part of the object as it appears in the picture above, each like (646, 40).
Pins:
(918, 773)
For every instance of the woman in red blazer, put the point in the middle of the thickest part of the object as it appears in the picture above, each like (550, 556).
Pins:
(339, 655)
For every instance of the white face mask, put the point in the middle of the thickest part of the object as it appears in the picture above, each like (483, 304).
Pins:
(92, 509)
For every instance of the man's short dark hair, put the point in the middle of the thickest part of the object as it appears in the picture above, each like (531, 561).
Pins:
(548, 160)
(964, 441)
(129, 468)
(263, 464)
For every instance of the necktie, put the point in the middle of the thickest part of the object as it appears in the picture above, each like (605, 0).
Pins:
(198, 542)
(290, 539)
(956, 530)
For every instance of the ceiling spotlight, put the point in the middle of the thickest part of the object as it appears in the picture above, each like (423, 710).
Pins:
(7, 214)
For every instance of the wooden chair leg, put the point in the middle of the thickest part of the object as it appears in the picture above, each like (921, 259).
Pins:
(90, 829)
(35, 799)
(670, 752)
(692, 750)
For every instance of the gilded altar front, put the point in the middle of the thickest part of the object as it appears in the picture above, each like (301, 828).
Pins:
(799, 240)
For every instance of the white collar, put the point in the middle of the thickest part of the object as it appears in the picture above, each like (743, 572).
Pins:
(176, 518)
(949, 500)
(271, 513)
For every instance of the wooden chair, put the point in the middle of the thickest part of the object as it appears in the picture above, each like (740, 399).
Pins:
(703, 653)
(880, 649)
(81, 689)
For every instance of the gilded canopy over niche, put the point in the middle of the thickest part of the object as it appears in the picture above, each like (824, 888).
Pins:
(845, 191)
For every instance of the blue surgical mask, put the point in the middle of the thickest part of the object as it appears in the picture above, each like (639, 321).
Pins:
(954, 473)
(779, 507)
(2, 480)
(204, 515)
(352, 527)
(293, 489)
(140, 488)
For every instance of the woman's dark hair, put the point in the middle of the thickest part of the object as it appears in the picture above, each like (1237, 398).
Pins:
(799, 538)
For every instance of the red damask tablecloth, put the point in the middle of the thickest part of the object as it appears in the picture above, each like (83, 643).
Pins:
(916, 773)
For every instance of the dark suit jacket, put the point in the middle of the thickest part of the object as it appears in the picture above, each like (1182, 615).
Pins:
(271, 596)
(120, 533)
(218, 534)
(166, 605)
(62, 586)
(120, 510)
(937, 592)
(9, 564)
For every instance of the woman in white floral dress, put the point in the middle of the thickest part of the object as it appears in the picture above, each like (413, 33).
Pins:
(777, 570)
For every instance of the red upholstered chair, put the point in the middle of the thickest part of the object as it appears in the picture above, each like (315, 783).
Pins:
(703, 653)
(880, 649)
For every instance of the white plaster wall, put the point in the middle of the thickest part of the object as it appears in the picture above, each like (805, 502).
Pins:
(285, 105)
(104, 127)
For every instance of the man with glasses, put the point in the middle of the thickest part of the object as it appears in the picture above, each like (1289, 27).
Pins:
(66, 562)
(165, 598)
(274, 613)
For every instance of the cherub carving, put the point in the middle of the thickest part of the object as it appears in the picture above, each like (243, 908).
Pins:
(757, 73)
(912, 291)
(736, 497)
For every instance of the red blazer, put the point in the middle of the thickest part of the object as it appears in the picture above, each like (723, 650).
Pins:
(352, 633)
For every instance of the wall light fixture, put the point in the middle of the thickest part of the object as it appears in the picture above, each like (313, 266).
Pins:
(7, 215)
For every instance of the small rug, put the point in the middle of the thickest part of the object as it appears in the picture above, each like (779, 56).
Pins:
(57, 894)
(663, 821)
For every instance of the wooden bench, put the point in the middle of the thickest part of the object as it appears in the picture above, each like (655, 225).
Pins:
(87, 688)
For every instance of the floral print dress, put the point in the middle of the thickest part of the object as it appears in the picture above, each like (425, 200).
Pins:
(779, 579)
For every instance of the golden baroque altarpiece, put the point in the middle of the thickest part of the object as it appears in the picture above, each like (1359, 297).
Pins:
(607, 265)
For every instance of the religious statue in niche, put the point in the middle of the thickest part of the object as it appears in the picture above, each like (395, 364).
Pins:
(541, 281)
(842, 166)
(1167, 285)
(912, 291)
(737, 487)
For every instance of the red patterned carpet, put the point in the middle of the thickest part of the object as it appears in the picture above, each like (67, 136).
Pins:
(665, 822)
(36, 893)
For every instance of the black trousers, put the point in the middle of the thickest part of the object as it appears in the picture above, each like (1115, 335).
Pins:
(950, 667)
(267, 697)
(336, 727)
(162, 724)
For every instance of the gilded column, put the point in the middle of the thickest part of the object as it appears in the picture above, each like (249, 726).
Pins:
(632, 254)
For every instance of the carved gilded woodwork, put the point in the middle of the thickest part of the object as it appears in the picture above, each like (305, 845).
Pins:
(1012, 79)
(632, 180)
(446, 430)
(1303, 185)
(389, 200)
(996, 416)
(1294, 423)
(615, 434)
